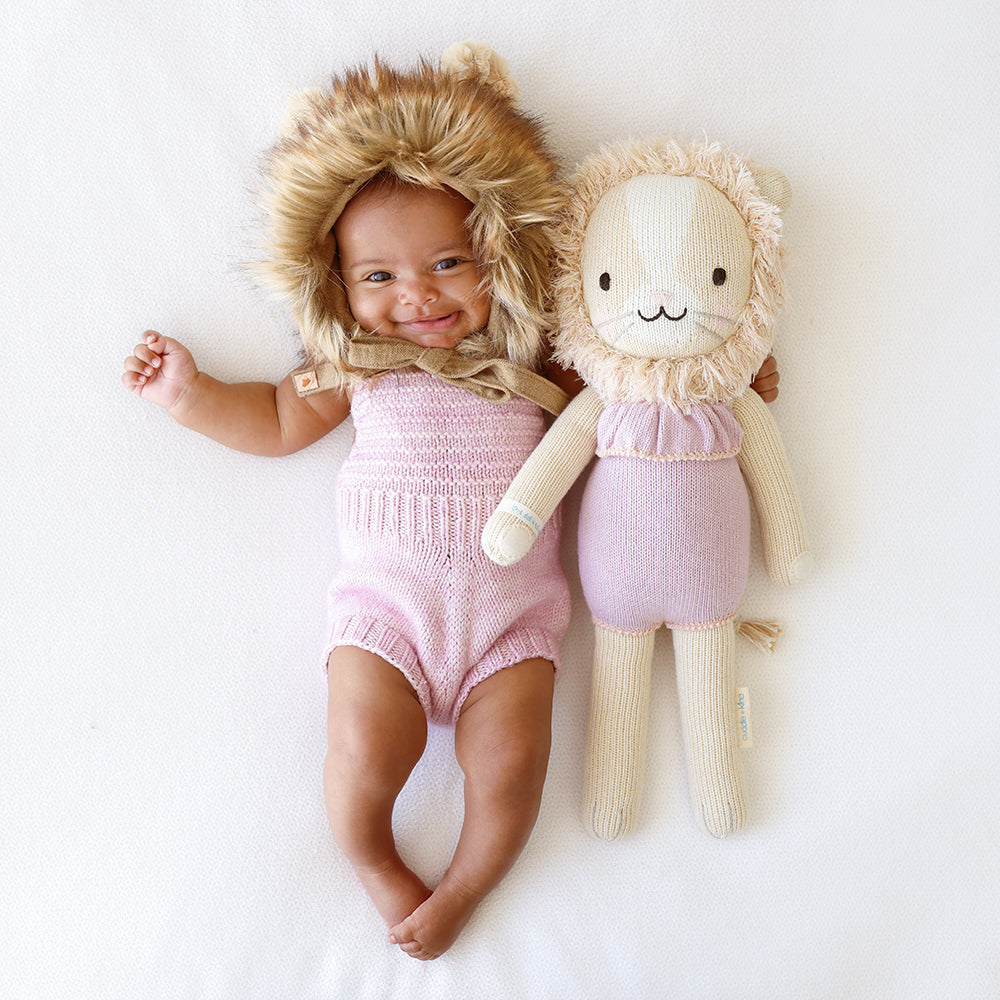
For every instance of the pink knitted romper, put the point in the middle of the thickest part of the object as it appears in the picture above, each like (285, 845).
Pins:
(665, 519)
(430, 463)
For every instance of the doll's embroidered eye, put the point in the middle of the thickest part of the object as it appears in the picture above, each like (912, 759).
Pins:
(605, 281)
(719, 276)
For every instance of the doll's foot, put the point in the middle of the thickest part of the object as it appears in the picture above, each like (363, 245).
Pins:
(610, 820)
(721, 818)
(394, 889)
(431, 929)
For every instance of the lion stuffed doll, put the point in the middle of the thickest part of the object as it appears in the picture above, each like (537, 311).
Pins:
(668, 280)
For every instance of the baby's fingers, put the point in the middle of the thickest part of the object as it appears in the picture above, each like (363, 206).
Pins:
(136, 374)
(133, 381)
(143, 358)
(155, 342)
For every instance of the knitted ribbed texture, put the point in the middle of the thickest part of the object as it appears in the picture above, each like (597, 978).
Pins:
(429, 464)
(545, 477)
(677, 552)
(776, 500)
(420, 441)
(706, 691)
(616, 746)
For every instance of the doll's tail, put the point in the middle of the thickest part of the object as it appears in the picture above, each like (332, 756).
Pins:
(764, 635)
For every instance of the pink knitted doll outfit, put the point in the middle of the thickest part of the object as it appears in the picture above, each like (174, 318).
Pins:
(665, 518)
(430, 463)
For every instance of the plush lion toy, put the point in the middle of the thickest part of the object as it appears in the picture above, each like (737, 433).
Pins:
(669, 276)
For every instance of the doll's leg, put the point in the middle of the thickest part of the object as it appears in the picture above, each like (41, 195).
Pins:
(704, 661)
(616, 742)
(376, 733)
(502, 741)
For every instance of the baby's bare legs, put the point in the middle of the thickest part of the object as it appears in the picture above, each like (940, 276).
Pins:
(502, 741)
(376, 732)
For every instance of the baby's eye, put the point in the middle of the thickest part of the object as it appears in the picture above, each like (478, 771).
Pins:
(379, 276)
(604, 281)
(447, 264)
(719, 276)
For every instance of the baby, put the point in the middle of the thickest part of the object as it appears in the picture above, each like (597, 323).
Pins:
(408, 221)
(444, 249)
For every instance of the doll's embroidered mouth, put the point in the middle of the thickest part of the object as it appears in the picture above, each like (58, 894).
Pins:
(662, 312)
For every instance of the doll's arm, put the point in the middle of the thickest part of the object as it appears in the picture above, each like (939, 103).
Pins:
(543, 480)
(255, 417)
(765, 467)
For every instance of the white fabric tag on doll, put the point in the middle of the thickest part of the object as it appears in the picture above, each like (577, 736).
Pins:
(525, 514)
(744, 734)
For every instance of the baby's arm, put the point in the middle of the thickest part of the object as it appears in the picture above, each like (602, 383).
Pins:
(254, 417)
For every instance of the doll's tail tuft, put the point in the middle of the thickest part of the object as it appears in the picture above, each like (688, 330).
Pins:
(764, 635)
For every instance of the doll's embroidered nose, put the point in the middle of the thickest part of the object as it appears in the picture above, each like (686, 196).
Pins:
(661, 299)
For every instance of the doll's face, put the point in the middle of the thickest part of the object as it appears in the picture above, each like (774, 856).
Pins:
(406, 261)
(666, 267)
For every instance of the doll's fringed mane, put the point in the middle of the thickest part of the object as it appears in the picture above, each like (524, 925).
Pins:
(456, 126)
(719, 375)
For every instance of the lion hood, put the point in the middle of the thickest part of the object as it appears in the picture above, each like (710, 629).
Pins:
(456, 126)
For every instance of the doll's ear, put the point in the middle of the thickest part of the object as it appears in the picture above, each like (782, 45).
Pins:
(477, 61)
(773, 186)
(300, 106)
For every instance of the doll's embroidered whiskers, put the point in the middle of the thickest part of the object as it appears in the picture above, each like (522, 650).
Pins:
(612, 319)
(712, 315)
(705, 328)
(628, 321)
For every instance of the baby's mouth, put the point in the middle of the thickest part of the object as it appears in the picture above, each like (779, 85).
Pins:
(431, 324)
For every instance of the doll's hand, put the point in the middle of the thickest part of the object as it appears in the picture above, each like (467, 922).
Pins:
(510, 533)
(160, 370)
(790, 568)
(765, 382)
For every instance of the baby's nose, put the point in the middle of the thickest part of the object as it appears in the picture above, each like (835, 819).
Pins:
(417, 290)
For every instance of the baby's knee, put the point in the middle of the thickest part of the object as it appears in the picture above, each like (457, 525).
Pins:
(359, 765)
(516, 766)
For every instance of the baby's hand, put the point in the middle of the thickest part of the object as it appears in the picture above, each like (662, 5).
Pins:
(160, 370)
(765, 382)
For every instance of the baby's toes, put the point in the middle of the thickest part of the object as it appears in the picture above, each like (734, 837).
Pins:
(402, 936)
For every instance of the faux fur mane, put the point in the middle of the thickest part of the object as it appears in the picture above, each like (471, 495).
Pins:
(720, 375)
(455, 126)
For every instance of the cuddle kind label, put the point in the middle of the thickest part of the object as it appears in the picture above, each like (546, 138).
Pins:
(744, 732)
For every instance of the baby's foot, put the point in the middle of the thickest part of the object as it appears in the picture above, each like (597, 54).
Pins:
(431, 929)
(394, 889)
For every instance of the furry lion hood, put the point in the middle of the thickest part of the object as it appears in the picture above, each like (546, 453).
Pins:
(456, 126)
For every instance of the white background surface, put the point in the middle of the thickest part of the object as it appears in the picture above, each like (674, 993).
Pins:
(162, 832)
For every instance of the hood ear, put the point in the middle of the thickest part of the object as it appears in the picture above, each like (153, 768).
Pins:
(773, 186)
(477, 61)
(299, 107)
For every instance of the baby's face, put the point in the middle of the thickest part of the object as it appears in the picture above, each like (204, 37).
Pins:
(407, 265)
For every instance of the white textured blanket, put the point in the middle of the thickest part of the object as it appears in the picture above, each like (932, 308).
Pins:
(162, 832)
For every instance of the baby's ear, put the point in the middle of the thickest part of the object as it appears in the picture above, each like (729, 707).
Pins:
(300, 107)
(773, 186)
(477, 61)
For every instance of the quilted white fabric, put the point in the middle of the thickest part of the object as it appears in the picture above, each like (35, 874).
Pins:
(162, 832)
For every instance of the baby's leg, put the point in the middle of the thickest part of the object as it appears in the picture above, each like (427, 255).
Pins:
(502, 741)
(376, 733)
